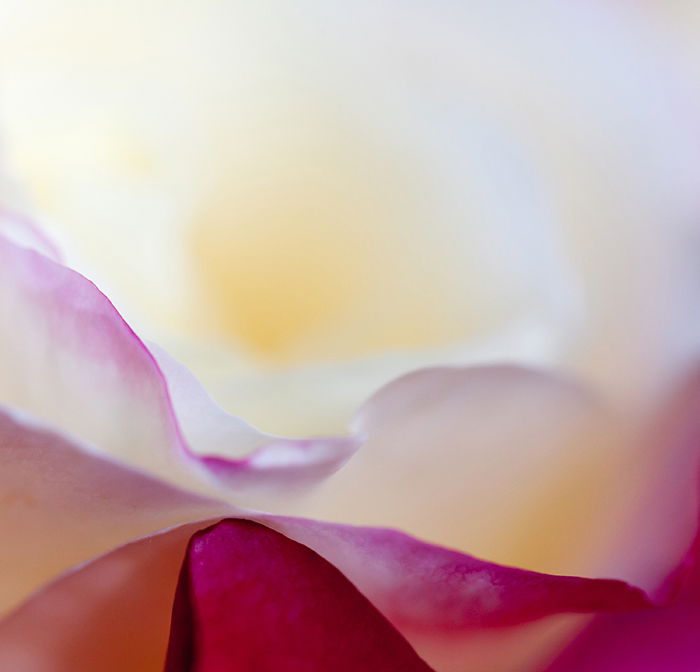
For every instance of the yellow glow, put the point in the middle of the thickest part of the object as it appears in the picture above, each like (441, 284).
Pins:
(303, 240)
(278, 270)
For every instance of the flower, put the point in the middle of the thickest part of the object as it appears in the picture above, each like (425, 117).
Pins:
(587, 467)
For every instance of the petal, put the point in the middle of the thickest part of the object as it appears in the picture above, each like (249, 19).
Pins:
(427, 587)
(531, 108)
(664, 639)
(64, 349)
(62, 505)
(268, 464)
(457, 611)
(84, 619)
(23, 231)
(251, 599)
(515, 465)
(452, 607)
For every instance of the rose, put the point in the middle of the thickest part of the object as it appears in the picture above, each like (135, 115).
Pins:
(534, 109)
(529, 106)
(452, 388)
(65, 503)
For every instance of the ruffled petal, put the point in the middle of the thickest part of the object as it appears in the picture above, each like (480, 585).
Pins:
(237, 455)
(65, 349)
(516, 465)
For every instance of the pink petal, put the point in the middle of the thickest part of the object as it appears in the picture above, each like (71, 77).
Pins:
(453, 609)
(457, 611)
(422, 586)
(62, 505)
(64, 349)
(251, 599)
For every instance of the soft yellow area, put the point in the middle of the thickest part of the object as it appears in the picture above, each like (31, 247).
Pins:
(278, 267)
(311, 245)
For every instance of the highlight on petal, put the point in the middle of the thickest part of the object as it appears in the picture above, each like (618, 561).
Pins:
(64, 349)
(251, 599)
(61, 505)
(23, 231)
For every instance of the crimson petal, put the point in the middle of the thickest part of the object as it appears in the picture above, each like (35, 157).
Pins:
(252, 599)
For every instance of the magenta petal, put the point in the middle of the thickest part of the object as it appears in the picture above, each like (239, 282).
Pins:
(660, 640)
(457, 611)
(250, 599)
(664, 640)
(421, 586)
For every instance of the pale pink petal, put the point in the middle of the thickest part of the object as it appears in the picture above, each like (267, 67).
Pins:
(110, 615)
(237, 454)
(519, 466)
(69, 358)
(62, 505)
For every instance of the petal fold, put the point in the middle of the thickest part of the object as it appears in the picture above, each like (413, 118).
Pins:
(64, 348)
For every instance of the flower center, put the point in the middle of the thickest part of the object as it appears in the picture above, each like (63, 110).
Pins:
(313, 246)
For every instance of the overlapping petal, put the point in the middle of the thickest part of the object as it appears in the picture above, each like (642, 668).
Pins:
(665, 639)
(668, 638)
(62, 505)
(70, 359)
(518, 466)
(66, 504)
(251, 599)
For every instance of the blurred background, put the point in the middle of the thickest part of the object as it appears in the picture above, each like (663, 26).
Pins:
(303, 200)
